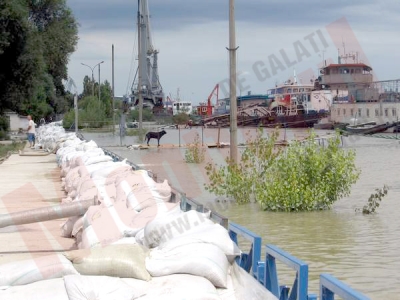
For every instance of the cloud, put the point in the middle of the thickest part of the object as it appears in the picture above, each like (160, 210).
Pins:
(192, 38)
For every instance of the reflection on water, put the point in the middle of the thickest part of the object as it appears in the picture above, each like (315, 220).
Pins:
(361, 250)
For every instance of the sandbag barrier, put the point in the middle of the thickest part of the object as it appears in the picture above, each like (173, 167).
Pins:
(266, 271)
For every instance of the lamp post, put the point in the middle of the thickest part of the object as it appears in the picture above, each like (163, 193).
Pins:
(92, 68)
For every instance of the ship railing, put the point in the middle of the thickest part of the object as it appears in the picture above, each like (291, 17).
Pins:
(330, 286)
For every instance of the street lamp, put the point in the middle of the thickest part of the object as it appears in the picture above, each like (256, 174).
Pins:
(92, 68)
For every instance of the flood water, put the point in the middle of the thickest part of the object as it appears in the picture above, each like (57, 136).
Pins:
(361, 250)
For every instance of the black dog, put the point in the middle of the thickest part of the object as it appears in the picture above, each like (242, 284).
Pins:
(154, 135)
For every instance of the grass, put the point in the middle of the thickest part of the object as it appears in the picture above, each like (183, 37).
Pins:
(14, 147)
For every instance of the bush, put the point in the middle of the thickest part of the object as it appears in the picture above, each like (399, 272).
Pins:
(195, 152)
(180, 118)
(303, 176)
(147, 115)
(93, 114)
(374, 201)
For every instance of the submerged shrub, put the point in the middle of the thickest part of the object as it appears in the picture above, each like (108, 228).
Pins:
(195, 152)
(302, 176)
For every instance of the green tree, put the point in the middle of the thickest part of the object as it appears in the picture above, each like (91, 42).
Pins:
(181, 118)
(36, 39)
(147, 115)
(59, 32)
(303, 176)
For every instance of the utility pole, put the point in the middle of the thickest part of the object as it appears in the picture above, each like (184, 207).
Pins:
(139, 71)
(99, 84)
(232, 74)
(113, 94)
(92, 68)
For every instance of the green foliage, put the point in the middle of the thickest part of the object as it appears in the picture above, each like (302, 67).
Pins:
(303, 176)
(181, 118)
(91, 114)
(195, 153)
(4, 125)
(36, 40)
(14, 147)
(374, 201)
(136, 132)
(147, 115)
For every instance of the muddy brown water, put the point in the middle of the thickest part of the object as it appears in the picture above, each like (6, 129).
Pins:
(361, 250)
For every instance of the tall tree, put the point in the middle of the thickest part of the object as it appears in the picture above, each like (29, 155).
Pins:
(58, 29)
(36, 40)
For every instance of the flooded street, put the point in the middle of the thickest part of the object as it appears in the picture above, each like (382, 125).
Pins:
(361, 250)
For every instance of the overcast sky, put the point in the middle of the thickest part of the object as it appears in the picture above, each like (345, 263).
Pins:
(274, 38)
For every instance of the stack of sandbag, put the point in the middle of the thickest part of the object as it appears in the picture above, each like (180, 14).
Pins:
(37, 269)
(128, 199)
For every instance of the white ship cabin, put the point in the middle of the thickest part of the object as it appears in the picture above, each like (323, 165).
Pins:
(302, 94)
(182, 107)
(290, 88)
(340, 76)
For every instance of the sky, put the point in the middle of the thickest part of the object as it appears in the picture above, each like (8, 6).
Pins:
(276, 39)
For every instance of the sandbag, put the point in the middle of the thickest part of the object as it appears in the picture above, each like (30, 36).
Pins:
(98, 287)
(113, 260)
(199, 259)
(97, 159)
(141, 191)
(51, 289)
(32, 270)
(167, 227)
(213, 234)
(177, 286)
(247, 287)
(67, 226)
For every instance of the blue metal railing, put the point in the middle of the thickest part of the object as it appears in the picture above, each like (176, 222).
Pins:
(329, 286)
(248, 261)
(299, 290)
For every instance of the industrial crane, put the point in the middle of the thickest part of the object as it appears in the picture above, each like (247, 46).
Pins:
(209, 100)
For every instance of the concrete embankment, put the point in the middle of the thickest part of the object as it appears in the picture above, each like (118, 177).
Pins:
(28, 182)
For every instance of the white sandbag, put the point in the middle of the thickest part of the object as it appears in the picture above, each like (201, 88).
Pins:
(88, 194)
(110, 171)
(177, 286)
(108, 224)
(90, 145)
(67, 226)
(154, 212)
(247, 287)
(213, 234)
(166, 228)
(98, 287)
(141, 191)
(52, 289)
(32, 270)
(126, 241)
(113, 260)
(139, 237)
(88, 170)
(98, 159)
(199, 259)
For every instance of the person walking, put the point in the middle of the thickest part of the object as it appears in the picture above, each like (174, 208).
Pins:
(31, 132)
